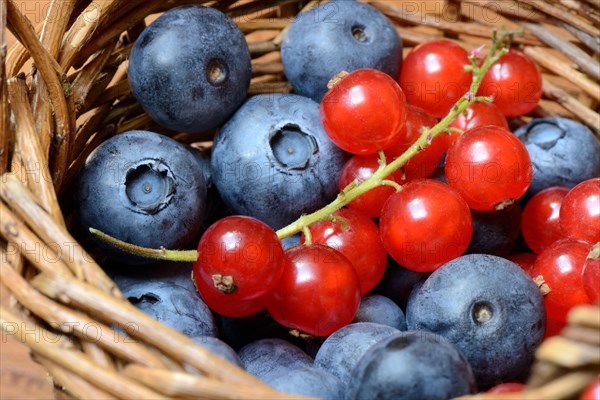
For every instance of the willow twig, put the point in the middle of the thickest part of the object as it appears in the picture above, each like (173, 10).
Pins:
(71, 382)
(74, 361)
(176, 384)
(4, 110)
(47, 69)
(584, 61)
(544, 58)
(25, 206)
(591, 118)
(33, 157)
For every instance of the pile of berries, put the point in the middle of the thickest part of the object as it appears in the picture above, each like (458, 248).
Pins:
(390, 201)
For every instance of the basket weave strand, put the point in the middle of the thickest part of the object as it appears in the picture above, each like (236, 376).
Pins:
(64, 91)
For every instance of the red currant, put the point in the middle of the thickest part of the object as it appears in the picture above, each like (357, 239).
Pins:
(433, 76)
(580, 212)
(591, 274)
(490, 168)
(228, 305)
(515, 82)
(476, 115)
(360, 168)
(523, 260)
(425, 225)
(239, 256)
(364, 112)
(561, 267)
(356, 236)
(540, 224)
(318, 293)
(508, 387)
(592, 391)
(423, 164)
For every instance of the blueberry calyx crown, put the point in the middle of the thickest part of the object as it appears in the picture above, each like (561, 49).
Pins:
(292, 148)
(149, 186)
(544, 134)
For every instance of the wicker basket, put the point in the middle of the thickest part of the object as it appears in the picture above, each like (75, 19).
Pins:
(64, 90)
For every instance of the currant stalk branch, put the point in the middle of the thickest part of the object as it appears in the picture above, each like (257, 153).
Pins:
(355, 189)
(157, 254)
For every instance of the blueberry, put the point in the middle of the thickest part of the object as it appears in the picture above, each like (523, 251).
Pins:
(273, 161)
(190, 69)
(380, 310)
(341, 351)
(125, 275)
(556, 147)
(338, 36)
(142, 188)
(174, 306)
(489, 308)
(219, 348)
(411, 365)
(309, 382)
(398, 282)
(495, 232)
(268, 358)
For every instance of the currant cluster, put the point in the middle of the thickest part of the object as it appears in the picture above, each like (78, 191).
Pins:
(408, 162)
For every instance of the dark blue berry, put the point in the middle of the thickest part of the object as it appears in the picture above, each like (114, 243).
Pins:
(268, 358)
(309, 382)
(556, 147)
(338, 36)
(219, 348)
(411, 365)
(489, 308)
(398, 282)
(273, 161)
(341, 351)
(190, 69)
(142, 188)
(495, 232)
(125, 275)
(380, 310)
(174, 306)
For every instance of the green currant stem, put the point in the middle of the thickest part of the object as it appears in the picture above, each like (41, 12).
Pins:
(355, 189)
(158, 254)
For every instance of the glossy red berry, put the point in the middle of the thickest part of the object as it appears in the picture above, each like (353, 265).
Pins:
(425, 225)
(508, 387)
(592, 391)
(561, 267)
(476, 115)
(540, 225)
(591, 274)
(228, 305)
(490, 168)
(580, 212)
(356, 236)
(364, 112)
(318, 293)
(523, 260)
(360, 168)
(433, 76)
(239, 256)
(425, 163)
(515, 83)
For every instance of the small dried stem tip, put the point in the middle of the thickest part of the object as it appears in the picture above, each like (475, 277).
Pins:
(224, 283)
(542, 285)
(337, 79)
